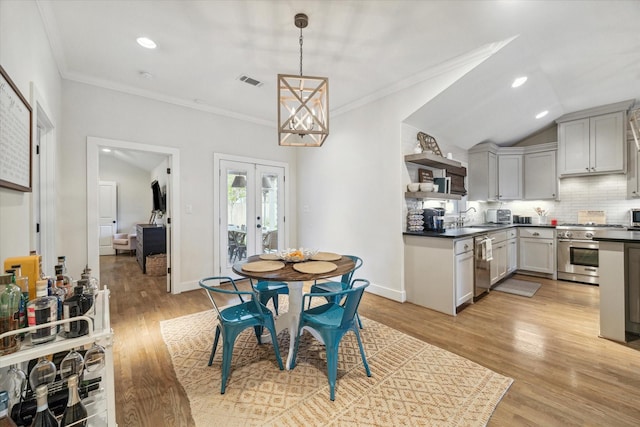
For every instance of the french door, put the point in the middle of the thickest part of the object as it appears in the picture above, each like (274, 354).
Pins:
(251, 197)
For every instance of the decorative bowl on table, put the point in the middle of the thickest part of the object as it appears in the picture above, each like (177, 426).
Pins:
(296, 255)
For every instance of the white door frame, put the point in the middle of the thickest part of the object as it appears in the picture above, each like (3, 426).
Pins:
(217, 157)
(94, 144)
(47, 188)
(113, 204)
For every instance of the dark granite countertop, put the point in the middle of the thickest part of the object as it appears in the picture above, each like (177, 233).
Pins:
(621, 236)
(470, 231)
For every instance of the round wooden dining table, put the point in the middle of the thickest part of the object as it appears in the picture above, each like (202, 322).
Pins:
(295, 280)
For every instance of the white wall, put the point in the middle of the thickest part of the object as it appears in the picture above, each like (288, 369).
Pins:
(134, 192)
(25, 55)
(92, 111)
(351, 194)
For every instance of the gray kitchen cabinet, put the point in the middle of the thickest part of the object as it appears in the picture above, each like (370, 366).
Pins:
(540, 174)
(593, 141)
(498, 266)
(483, 173)
(512, 173)
(510, 176)
(537, 250)
(633, 175)
(512, 250)
(464, 271)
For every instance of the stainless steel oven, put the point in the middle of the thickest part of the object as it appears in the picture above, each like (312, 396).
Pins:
(578, 252)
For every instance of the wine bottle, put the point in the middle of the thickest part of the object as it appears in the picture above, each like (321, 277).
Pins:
(76, 413)
(5, 419)
(44, 417)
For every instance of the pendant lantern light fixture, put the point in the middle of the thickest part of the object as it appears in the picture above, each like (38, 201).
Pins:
(303, 104)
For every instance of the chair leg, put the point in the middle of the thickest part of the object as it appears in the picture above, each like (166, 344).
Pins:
(258, 329)
(332, 367)
(215, 344)
(227, 353)
(364, 358)
(359, 321)
(274, 340)
(275, 302)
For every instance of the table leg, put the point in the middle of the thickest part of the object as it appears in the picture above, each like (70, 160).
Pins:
(290, 319)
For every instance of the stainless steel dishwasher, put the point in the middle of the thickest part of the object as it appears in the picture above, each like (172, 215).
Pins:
(482, 265)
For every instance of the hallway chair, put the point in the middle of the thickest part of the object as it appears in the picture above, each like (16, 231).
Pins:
(124, 242)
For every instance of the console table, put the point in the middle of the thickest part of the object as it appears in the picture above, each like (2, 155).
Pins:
(151, 240)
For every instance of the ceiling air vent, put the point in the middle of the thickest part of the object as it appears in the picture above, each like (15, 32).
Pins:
(249, 80)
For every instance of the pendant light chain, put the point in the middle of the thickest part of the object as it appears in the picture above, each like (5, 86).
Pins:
(301, 51)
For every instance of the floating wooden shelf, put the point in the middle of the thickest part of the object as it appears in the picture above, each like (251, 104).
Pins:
(431, 160)
(431, 195)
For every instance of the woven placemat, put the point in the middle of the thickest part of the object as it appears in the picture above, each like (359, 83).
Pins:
(326, 256)
(269, 257)
(261, 266)
(315, 267)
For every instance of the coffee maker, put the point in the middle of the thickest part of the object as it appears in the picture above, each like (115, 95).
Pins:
(434, 219)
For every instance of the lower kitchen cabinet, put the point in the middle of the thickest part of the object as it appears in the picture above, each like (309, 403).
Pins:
(498, 269)
(537, 250)
(464, 271)
(435, 276)
(512, 250)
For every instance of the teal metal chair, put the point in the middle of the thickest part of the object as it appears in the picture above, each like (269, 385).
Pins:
(344, 283)
(270, 291)
(332, 321)
(234, 319)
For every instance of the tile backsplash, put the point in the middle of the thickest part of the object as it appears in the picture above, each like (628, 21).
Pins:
(606, 193)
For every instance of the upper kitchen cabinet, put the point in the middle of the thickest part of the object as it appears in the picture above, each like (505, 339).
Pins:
(495, 173)
(513, 173)
(540, 176)
(593, 141)
(633, 173)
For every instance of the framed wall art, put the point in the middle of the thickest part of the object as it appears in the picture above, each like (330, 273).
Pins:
(15, 136)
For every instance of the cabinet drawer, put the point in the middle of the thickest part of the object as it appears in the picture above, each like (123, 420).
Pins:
(464, 245)
(498, 236)
(541, 233)
(512, 233)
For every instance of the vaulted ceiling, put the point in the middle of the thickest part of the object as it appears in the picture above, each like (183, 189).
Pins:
(576, 54)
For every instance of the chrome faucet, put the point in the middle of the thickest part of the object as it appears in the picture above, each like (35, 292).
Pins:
(460, 221)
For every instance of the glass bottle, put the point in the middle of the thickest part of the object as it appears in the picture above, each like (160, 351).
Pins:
(43, 417)
(76, 305)
(43, 309)
(75, 413)
(5, 420)
(9, 314)
(23, 283)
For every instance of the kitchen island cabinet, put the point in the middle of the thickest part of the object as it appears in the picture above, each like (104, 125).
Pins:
(435, 276)
(613, 266)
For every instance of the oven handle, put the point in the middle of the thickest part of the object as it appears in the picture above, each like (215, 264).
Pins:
(595, 270)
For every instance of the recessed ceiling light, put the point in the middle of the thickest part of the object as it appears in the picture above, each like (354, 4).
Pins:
(146, 42)
(106, 150)
(519, 81)
(542, 114)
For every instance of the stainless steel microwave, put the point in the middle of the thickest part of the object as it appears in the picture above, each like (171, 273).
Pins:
(635, 218)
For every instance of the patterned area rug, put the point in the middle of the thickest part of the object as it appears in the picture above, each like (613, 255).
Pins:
(412, 384)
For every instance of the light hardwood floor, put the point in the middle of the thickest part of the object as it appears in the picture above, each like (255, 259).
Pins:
(564, 374)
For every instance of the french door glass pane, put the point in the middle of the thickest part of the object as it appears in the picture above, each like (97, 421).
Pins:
(269, 211)
(237, 215)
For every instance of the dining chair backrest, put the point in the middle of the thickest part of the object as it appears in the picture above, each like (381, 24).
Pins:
(346, 278)
(212, 291)
(352, 300)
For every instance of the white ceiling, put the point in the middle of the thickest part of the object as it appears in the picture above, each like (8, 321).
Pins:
(577, 55)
